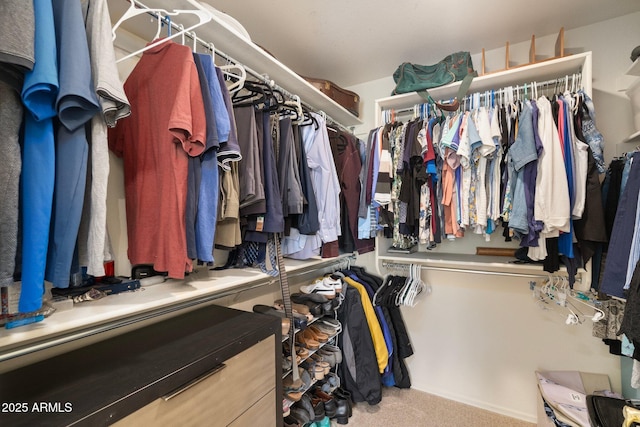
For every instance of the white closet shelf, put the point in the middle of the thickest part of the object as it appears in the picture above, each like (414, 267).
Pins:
(228, 40)
(633, 138)
(540, 71)
(128, 308)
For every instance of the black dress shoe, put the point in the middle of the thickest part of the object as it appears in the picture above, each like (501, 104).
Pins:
(300, 297)
(342, 413)
(330, 405)
(318, 407)
(305, 403)
(289, 421)
(300, 415)
(299, 320)
(342, 394)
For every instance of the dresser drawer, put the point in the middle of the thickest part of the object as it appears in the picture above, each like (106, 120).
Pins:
(260, 414)
(217, 398)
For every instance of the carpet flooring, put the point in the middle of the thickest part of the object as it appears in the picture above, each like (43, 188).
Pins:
(413, 408)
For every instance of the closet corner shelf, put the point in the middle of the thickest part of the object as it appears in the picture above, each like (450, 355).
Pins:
(227, 39)
(117, 313)
(540, 71)
(634, 68)
(633, 138)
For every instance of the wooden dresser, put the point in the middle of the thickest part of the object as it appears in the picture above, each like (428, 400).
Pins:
(213, 366)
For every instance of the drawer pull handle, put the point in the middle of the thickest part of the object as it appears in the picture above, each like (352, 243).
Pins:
(193, 382)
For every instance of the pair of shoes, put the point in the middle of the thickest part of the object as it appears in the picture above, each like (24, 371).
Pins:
(321, 287)
(316, 370)
(314, 332)
(286, 364)
(305, 405)
(336, 281)
(306, 341)
(327, 329)
(290, 421)
(315, 308)
(337, 352)
(330, 383)
(318, 408)
(330, 405)
(301, 352)
(343, 411)
(297, 308)
(300, 416)
(294, 389)
(328, 356)
(325, 366)
(299, 321)
(335, 323)
(321, 356)
(344, 396)
(300, 297)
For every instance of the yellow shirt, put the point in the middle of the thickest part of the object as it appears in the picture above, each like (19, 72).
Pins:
(379, 345)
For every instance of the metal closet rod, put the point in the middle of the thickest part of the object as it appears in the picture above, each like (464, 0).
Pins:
(330, 262)
(546, 83)
(462, 270)
(262, 77)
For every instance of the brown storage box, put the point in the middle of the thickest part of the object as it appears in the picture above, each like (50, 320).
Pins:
(349, 100)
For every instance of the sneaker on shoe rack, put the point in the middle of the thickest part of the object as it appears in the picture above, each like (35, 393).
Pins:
(319, 287)
(336, 282)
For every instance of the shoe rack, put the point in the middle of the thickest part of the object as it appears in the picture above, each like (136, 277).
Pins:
(318, 367)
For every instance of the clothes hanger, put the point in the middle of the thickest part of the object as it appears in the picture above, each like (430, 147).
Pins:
(130, 13)
(259, 94)
(572, 317)
(194, 37)
(159, 19)
(598, 313)
(253, 92)
(239, 76)
(550, 295)
(297, 104)
(418, 287)
(375, 301)
(203, 15)
(181, 28)
(398, 299)
(309, 119)
(293, 106)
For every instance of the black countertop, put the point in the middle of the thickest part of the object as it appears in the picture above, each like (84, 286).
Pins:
(103, 382)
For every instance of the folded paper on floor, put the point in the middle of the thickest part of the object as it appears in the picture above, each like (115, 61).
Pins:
(565, 392)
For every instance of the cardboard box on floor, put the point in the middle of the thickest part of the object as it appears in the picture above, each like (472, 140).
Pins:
(583, 383)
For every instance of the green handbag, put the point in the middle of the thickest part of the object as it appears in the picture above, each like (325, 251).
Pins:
(418, 78)
(413, 78)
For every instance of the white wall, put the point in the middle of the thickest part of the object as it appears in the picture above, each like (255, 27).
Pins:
(478, 338)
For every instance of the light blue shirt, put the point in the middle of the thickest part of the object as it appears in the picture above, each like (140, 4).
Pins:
(326, 187)
(39, 94)
(634, 253)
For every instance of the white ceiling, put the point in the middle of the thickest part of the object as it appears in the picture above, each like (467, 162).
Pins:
(350, 42)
